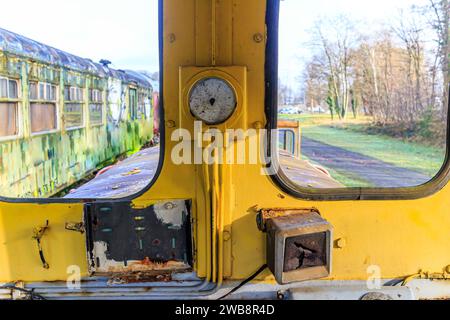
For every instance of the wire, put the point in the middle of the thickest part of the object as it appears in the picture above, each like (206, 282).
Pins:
(250, 279)
(31, 293)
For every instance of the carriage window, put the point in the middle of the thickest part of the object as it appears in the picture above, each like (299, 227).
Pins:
(43, 112)
(43, 117)
(8, 107)
(8, 119)
(367, 82)
(133, 104)
(141, 106)
(95, 107)
(73, 107)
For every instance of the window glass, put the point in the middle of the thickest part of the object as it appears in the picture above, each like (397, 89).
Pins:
(95, 106)
(34, 95)
(8, 119)
(367, 81)
(133, 104)
(73, 115)
(13, 93)
(95, 113)
(141, 114)
(3, 88)
(43, 117)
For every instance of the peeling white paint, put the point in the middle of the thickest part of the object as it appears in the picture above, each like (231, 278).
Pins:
(111, 266)
(171, 212)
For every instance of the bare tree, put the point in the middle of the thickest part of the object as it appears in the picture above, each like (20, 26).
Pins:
(335, 39)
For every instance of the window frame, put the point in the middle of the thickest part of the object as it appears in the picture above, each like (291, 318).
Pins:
(436, 184)
(44, 100)
(70, 100)
(162, 154)
(18, 103)
(99, 101)
(133, 109)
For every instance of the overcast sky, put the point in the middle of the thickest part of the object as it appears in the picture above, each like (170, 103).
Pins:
(123, 31)
(126, 31)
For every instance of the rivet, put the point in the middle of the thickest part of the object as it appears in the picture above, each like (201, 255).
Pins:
(281, 196)
(171, 124)
(257, 125)
(172, 38)
(258, 37)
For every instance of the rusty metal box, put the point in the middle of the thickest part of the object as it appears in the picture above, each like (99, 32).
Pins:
(299, 247)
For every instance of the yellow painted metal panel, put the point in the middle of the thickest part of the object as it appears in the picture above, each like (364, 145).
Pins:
(401, 237)
(19, 254)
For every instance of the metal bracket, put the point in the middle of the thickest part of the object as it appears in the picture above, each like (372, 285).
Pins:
(38, 234)
(265, 215)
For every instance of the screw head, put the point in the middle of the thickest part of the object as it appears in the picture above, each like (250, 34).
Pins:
(172, 37)
(258, 37)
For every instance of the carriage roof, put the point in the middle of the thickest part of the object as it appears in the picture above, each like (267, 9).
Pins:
(19, 45)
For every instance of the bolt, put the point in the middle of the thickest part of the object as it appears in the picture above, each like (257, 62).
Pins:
(280, 295)
(258, 37)
(172, 38)
(257, 125)
(171, 124)
(341, 243)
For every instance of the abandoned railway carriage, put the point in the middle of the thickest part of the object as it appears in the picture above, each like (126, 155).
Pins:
(62, 116)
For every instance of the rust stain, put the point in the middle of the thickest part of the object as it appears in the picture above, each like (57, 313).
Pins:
(148, 265)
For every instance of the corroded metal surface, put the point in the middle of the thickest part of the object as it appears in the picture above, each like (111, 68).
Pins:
(147, 242)
(123, 179)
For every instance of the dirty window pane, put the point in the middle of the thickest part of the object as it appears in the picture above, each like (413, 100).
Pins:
(43, 117)
(133, 104)
(3, 88)
(141, 106)
(34, 91)
(42, 91)
(73, 115)
(368, 84)
(13, 93)
(8, 119)
(95, 113)
(52, 94)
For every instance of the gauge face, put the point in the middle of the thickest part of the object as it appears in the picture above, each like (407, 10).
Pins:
(212, 100)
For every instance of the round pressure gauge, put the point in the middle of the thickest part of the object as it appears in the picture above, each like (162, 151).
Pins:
(212, 100)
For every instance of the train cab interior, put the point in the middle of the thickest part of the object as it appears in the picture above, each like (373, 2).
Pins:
(232, 149)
